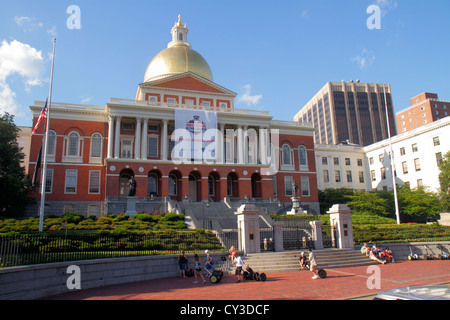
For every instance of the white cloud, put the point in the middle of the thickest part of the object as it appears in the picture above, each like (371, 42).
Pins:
(21, 59)
(386, 6)
(248, 98)
(365, 59)
(27, 23)
(85, 99)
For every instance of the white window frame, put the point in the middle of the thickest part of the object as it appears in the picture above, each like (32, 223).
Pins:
(91, 177)
(303, 165)
(305, 191)
(49, 180)
(290, 165)
(68, 183)
(153, 136)
(288, 188)
(78, 157)
(95, 156)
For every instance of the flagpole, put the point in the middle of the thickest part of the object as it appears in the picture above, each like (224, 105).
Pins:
(394, 185)
(44, 166)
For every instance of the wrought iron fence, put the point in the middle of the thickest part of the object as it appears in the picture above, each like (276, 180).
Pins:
(36, 248)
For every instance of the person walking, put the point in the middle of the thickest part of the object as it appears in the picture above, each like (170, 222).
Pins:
(239, 262)
(198, 266)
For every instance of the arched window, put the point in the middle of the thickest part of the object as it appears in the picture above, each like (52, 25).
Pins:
(286, 156)
(173, 184)
(180, 36)
(96, 145)
(51, 149)
(303, 158)
(73, 147)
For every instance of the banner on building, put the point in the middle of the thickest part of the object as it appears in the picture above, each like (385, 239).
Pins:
(195, 136)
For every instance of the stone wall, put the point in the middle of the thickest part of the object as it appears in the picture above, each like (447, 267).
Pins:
(38, 281)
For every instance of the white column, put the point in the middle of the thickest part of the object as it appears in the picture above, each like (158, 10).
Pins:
(144, 151)
(240, 147)
(137, 139)
(245, 144)
(165, 140)
(221, 144)
(117, 139)
(110, 136)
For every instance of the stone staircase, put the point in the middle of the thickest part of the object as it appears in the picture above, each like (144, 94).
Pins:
(288, 260)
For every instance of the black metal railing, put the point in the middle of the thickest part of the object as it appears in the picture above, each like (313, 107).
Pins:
(46, 248)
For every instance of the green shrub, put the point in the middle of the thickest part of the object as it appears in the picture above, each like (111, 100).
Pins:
(72, 217)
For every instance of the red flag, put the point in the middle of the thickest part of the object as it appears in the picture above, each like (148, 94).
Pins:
(43, 115)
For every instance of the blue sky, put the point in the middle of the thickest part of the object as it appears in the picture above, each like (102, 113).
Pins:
(275, 55)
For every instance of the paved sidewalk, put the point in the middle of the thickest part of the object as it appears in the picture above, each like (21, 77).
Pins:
(341, 283)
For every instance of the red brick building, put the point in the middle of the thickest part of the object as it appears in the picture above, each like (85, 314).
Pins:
(93, 151)
(425, 108)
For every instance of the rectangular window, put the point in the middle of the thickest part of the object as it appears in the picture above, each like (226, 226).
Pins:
(372, 175)
(436, 141)
(153, 146)
(336, 161)
(305, 186)
(349, 176)
(439, 158)
(324, 161)
(326, 177)
(383, 173)
(361, 176)
(347, 161)
(402, 151)
(288, 190)
(71, 181)
(405, 167)
(337, 175)
(417, 164)
(414, 147)
(94, 181)
(360, 162)
(49, 181)
(127, 148)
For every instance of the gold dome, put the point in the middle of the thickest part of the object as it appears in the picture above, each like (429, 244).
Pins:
(177, 59)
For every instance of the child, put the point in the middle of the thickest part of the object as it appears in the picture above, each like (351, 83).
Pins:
(198, 264)
(237, 260)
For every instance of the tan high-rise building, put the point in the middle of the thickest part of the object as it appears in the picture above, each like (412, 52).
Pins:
(425, 108)
(351, 112)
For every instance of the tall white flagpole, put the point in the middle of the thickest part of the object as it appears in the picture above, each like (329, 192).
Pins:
(44, 165)
(394, 185)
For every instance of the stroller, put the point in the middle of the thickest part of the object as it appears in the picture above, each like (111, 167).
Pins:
(249, 274)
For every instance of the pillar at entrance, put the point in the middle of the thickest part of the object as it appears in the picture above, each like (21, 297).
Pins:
(248, 226)
(341, 223)
(317, 234)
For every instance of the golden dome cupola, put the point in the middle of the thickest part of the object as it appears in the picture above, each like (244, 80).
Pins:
(179, 34)
(178, 57)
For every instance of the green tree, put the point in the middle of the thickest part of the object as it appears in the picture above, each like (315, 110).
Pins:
(15, 185)
(331, 196)
(444, 181)
(418, 204)
(369, 203)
